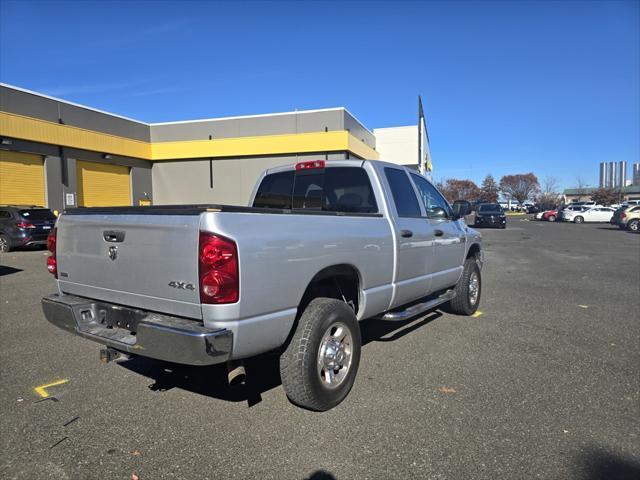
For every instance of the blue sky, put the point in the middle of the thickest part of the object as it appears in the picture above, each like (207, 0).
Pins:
(550, 87)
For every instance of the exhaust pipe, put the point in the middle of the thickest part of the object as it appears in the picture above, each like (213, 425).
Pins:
(236, 374)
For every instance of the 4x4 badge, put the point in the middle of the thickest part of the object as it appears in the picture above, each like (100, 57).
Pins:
(182, 285)
(113, 252)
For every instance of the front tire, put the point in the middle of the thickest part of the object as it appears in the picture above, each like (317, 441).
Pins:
(319, 366)
(634, 225)
(468, 290)
(578, 219)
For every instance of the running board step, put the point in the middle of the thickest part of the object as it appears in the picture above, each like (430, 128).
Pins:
(417, 309)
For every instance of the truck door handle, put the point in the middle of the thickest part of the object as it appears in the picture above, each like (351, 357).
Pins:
(406, 233)
(438, 233)
(113, 236)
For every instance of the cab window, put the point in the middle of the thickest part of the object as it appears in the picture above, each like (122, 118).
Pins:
(434, 203)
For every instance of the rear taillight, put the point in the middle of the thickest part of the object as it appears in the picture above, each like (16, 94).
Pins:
(25, 225)
(622, 215)
(218, 269)
(52, 263)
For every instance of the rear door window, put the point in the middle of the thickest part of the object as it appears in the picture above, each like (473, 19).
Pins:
(39, 214)
(404, 197)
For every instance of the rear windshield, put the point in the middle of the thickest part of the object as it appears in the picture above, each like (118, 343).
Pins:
(490, 208)
(333, 189)
(40, 214)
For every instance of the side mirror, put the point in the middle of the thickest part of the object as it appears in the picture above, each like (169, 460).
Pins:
(461, 208)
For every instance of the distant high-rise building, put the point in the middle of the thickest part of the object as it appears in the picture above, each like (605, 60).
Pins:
(622, 174)
(636, 174)
(603, 175)
(614, 174)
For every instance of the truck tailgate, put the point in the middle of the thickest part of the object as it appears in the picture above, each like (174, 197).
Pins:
(144, 261)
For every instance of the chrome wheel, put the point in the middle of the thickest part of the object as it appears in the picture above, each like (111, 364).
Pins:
(474, 288)
(334, 355)
(4, 244)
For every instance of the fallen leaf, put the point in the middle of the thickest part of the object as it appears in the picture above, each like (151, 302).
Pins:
(134, 476)
(565, 431)
(136, 453)
(446, 389)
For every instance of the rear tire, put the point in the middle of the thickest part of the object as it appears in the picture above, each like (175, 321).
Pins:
(319, 366)
(578, 219)
(552, 218)
(468, 290)
(634, 225)
(5, 246)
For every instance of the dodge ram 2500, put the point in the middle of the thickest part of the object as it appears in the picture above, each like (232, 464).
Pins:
(322, 246)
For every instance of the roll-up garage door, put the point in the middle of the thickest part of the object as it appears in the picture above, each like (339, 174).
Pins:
(21, 179)
(103, 185)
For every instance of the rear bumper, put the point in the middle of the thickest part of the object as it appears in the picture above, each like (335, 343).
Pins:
(138, 332)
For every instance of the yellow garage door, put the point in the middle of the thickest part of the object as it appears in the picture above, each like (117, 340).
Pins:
(21, 179)
(103, 185)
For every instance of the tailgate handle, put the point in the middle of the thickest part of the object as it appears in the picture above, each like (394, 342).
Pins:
(113, 236)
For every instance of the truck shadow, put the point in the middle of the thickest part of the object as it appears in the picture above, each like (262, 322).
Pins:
(262, 372)
(600, 464)
(4, 270)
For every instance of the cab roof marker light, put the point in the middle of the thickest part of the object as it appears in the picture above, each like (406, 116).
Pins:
(310, 165)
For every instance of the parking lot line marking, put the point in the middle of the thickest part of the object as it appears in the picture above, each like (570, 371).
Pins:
(476, 315)
(41, 390)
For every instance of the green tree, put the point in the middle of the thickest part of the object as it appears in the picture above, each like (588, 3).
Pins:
(489, 189)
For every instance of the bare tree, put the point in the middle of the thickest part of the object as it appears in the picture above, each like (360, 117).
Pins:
(605, 196)
(521, 186)
(454, 189)
(581, 185)
(549, 196)
(581, 182)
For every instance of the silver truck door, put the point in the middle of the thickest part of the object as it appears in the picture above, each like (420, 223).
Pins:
(414, 237)
(449, 235)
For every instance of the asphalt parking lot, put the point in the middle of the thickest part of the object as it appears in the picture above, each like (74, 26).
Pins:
(543, 383)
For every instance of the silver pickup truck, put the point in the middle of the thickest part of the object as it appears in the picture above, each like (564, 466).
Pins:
(322, 246)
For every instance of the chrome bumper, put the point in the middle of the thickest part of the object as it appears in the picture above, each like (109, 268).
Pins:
(138, 332)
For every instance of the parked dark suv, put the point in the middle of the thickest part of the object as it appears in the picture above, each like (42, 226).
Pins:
(490, 215)
(24, 226)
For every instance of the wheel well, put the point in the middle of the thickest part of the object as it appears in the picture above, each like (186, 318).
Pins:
(338, 281)
(474, 251)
